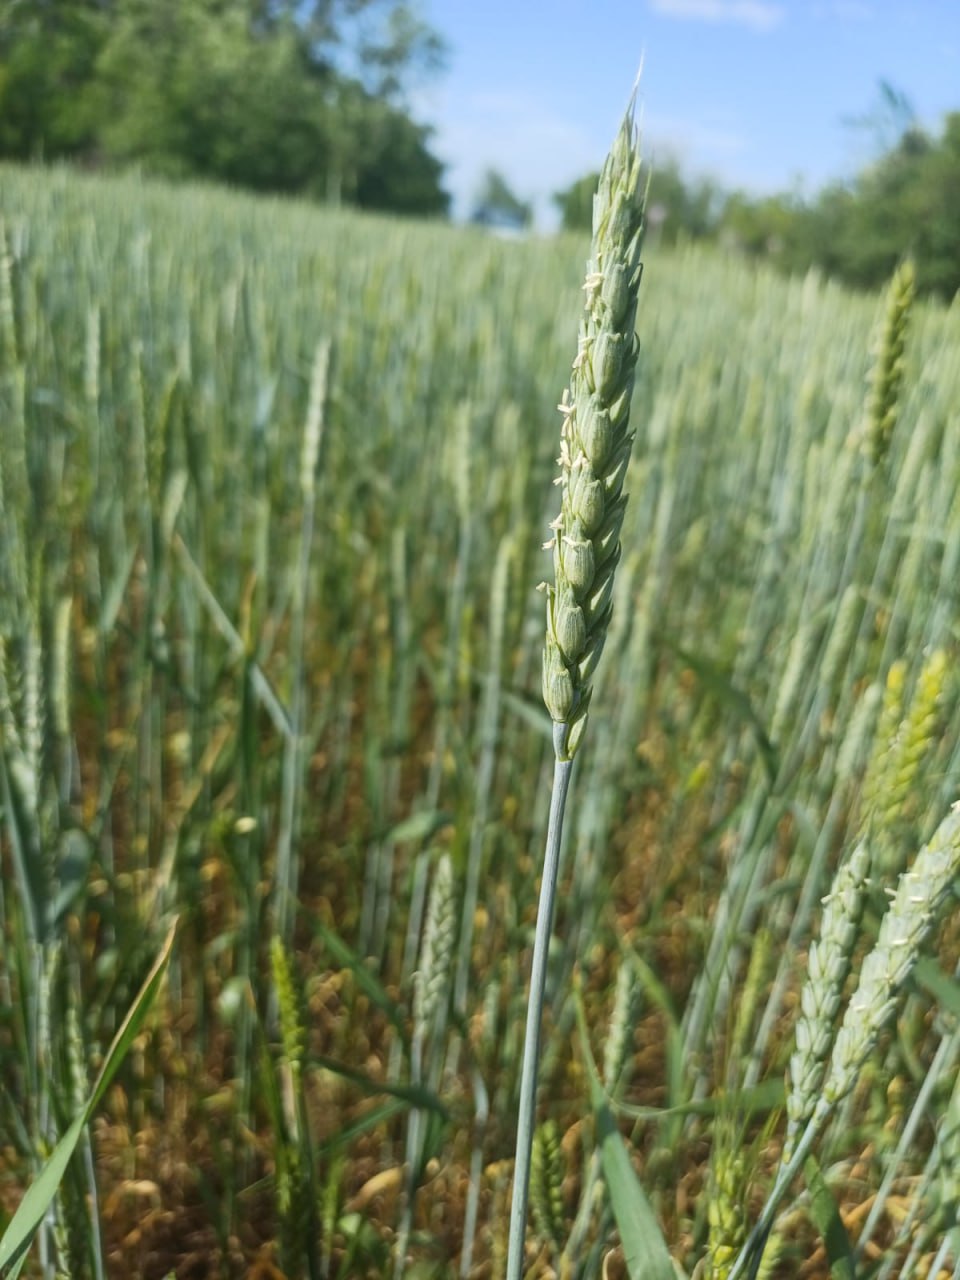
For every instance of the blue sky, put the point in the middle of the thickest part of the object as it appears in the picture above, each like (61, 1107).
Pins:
(757, 93)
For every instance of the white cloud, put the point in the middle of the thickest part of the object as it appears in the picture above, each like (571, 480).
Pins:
(761, 15)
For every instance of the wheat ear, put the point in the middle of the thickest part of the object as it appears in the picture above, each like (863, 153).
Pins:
(827, 969)
(920, 894)
(595, 444)
(594, 452)
(886, 379)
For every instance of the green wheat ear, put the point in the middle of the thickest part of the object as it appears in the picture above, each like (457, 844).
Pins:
(595, 446)
(293, 1031)
(546, 1183)
(886, 378)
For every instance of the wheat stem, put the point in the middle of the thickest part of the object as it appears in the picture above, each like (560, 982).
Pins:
(538, 982)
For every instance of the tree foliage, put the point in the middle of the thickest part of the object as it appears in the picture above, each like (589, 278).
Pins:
(681, 208)
(497, 205)
(270, 94)
(905, 202)
(576, 203)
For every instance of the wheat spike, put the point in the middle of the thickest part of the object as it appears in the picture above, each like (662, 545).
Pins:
(886, 378)
(920, 894)
(546, 1183)
(595, 446)
(432, 981)
(827, 968)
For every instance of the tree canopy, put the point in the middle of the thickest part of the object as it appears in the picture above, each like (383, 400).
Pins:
(275, 95)
(497, 205)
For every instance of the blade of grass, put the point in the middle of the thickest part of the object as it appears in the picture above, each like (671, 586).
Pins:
(371, 987)
(826, 1215)
(33, 1207)
(644, 1248)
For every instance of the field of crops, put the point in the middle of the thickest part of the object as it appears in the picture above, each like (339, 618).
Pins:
(274, 484)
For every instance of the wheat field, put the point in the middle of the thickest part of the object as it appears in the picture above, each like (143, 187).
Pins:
(274, 487)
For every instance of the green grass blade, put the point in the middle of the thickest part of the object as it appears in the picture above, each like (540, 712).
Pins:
(371, 987)
(826, 1215)
(944, 989)
(24, 1224)
(420, 826)
(376, 1116)
(414, 1095)
(644, 1248)
(764, 1096)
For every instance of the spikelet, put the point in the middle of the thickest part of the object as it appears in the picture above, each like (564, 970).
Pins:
(903, 755)
(71, 1229)
(878, 768)
(794, 673)
(8, 720)
(827, 968)
(91, 358)
(72, 1224)
(293, 1210)
(316, 413)
(842, 635)
(293, 1032)
(547, 1168)
(916, 740)
(60, 667)
(726, 1219)
(854, 750)
(78, 1074)
(920, 894)
(886, 378)
(595, 447)
(769, 1266)
(623, 1017)
(34, 709)
(431, 983)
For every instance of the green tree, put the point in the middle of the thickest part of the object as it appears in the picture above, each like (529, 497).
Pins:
(396, 170)
(497, 205)
(679, 207)
(48, 53)
(268, 94)
(905, 202)
(576, 203)
(187, 89)
(767, 226)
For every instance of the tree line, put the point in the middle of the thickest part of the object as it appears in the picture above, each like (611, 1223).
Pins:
(905, 202)
(310, 97)
(289, 96)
